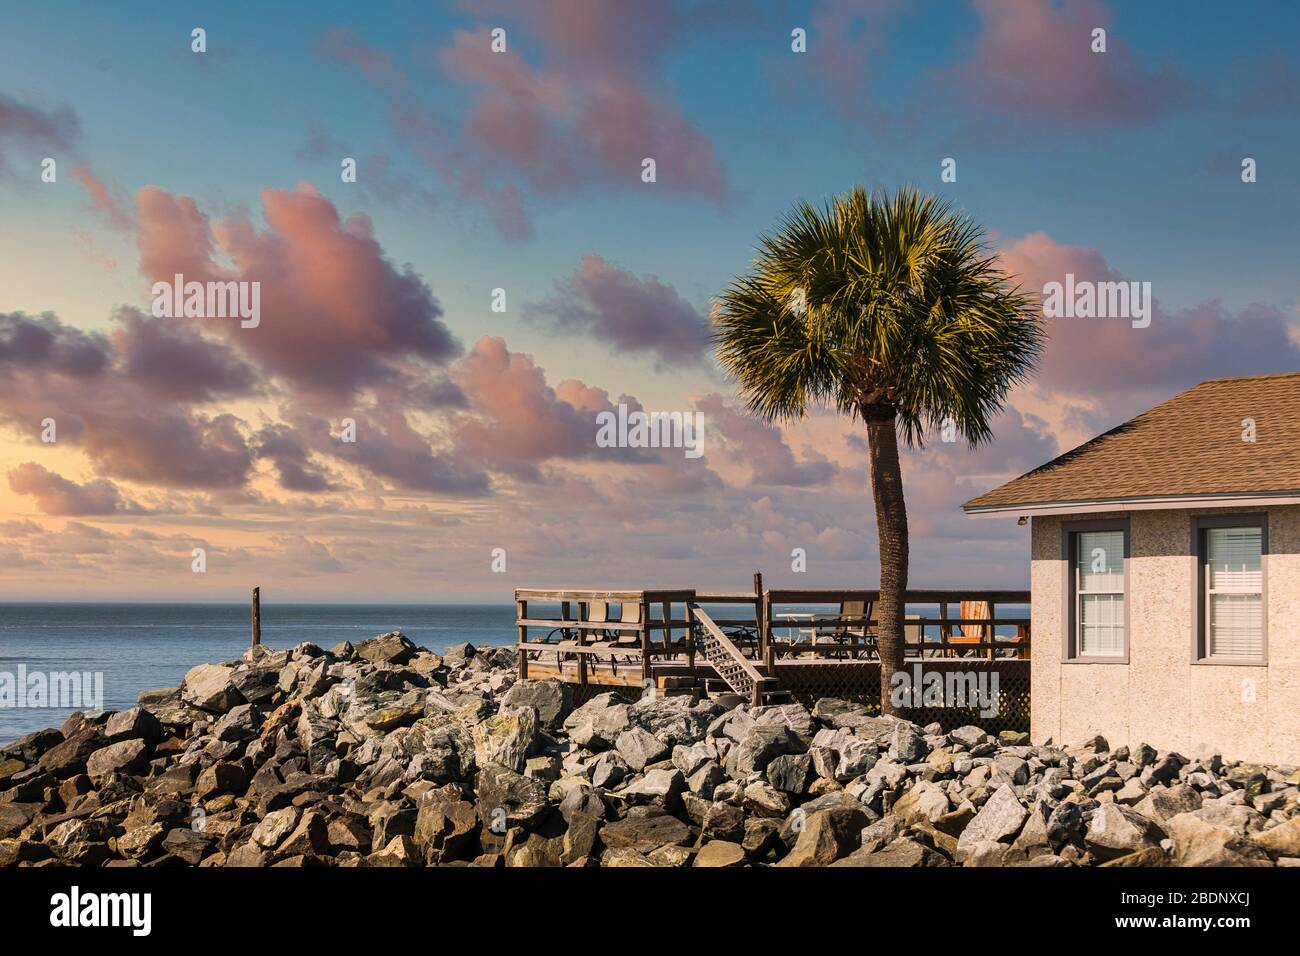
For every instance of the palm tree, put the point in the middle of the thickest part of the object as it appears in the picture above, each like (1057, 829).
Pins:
(892, 308)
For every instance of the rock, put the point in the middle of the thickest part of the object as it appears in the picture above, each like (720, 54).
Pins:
(827, 836)
(609, 770)
(133, 723)
(789, 773)
(924, 802)
(69, 757)
(274, 827)
(506, 739)
(187, 844)
(309, 837)
(1147, 856)
(1065, 826)
(125, 757)
(907, 745)
(210, 687)
(646, 833)
(221, 777)
(639, 748)
(760, 746)
(661, 786)
(968, 736)
(551, 698)
(1199, 843)
(1116, 830)
(1281, 840)
(997, 821)
(1164, 802)
(391, 648)
(902, 852)
(717, 853)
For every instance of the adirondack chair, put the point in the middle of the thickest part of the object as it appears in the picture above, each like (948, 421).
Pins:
(971, 633)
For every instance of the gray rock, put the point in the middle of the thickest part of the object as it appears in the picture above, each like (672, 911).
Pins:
(999, 820)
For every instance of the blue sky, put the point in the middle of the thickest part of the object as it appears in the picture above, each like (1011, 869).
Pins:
(1129, 158)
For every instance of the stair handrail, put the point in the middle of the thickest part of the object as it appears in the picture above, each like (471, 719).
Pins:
(721, 641)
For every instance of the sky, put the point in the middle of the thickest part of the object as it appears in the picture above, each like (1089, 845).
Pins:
(501, 272)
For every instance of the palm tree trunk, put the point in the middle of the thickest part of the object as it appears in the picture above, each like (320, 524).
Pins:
(891, 523)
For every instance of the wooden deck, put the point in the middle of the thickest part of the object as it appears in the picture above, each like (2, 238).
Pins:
(680, 641)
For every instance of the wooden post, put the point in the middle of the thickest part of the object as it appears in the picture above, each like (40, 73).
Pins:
(521, 612)
(647, 672)
(760, 618)
(257, 616)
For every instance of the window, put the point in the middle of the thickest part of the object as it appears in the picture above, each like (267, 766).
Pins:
(1099, 593)
(1231, 585)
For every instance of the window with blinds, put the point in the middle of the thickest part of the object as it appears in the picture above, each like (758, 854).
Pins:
(1099, 593)
(1233, 581)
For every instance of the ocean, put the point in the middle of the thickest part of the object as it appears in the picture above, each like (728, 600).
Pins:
(143, 646)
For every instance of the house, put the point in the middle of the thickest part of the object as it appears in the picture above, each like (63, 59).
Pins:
(1165, 576)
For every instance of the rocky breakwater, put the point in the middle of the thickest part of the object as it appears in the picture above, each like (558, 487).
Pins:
(385, 754)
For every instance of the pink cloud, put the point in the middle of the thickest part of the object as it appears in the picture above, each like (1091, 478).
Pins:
(102, 199)
(337, 314)
(595, 108)
(1033, 61)
(1111, 361)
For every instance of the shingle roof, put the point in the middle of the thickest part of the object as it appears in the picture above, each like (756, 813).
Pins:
(1189, 446)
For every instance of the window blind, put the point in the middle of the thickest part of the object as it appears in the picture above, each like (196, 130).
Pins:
(1234, 580)
(1099, 577)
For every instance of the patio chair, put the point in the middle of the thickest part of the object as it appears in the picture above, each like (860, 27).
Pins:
(617, 637)
(853, 635)
(913, 636)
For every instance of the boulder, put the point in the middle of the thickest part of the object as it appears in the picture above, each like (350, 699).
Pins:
(1116, 830)
(998, 821)
(551, 698)
(125, 757)
(826, 836)
(211, 687)
(720, 853)
(1199, 843)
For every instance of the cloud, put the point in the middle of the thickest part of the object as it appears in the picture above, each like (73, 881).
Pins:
(1108, 359)
(292, 460)
(762, 447)
(102, 200)
(627, 313)
(389, 448)
(56, 495)
(337, 315)
(127, 428)
(1034, 64)
(172, 359)
(29, 128)
(44, 343)
(520, 421)
(342, 45)
(594, 108)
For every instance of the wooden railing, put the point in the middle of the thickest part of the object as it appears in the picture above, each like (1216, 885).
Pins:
(642, 638)
(833, 634)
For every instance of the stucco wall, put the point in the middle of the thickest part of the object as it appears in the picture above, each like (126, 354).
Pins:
(1160, 696)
